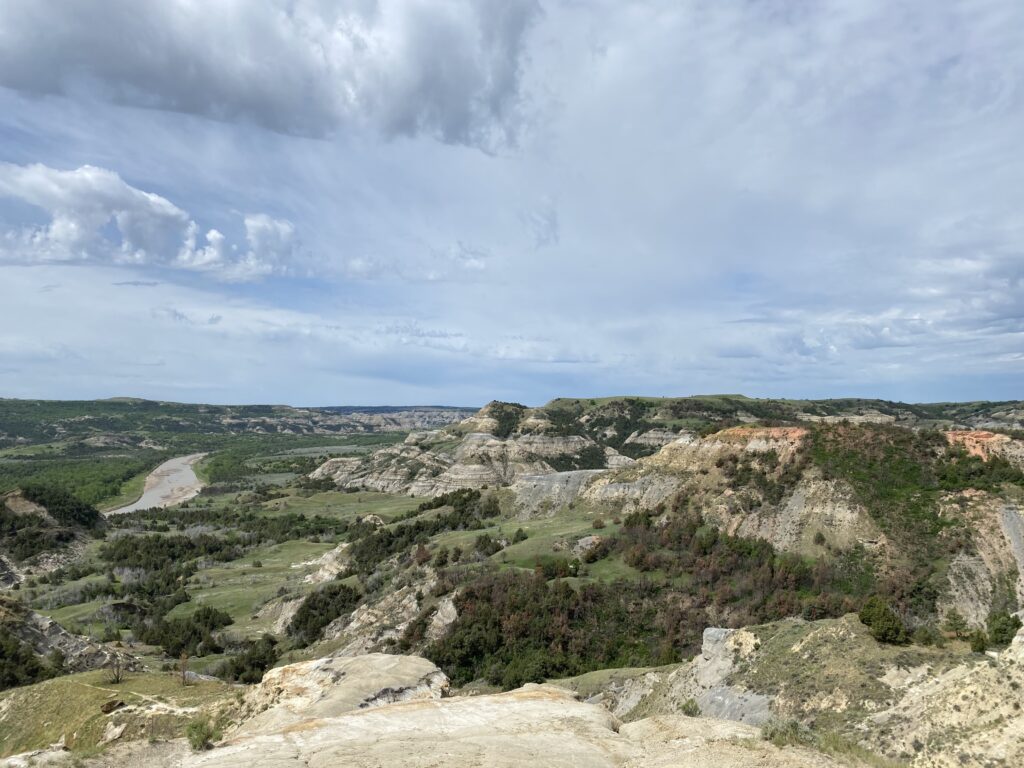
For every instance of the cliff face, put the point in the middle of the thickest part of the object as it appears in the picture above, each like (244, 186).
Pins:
(44, 635)
(986, 445)
(992, 574)
(432, 463)
(787, 485)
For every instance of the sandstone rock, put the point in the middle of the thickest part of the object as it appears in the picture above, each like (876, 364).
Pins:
(535, 725)
(656, 438)
(112, 732)
(986, 444)
(329, 564)
(547, 493)
(975, 579)
(584, 545)
(323, 688)
(280, 611)
(814, 506)
(374, 624)
(444, 616)
(971, 715)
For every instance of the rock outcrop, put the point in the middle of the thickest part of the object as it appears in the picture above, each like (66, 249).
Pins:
(323, 688)
(930, 707)
(971, 715)
(985, 445)
(44, 636)
(535, 725)
(66, 543)
(429, 464)
(548, 493)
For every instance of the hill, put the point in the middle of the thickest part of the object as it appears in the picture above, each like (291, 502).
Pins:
(41, 529)
(828, 571)
(101, 450)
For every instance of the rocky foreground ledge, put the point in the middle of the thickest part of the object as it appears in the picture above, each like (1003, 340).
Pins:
(382, 710)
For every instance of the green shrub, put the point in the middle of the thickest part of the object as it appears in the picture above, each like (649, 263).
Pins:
(441, 557)
(507, 415)
(690, 708)
(201, 733)
(955, 623)
(882, 621)
(192, 634)
(927, 635)
(1002, 627)
(18, 663)
(514, 628)
(319, 609)
(486, 545)
(979, 641)
(63, 506)
(785, 733)
(249, 665)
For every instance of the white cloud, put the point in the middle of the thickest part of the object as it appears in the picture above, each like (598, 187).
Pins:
(271, 245)
(460, 262)
(83, 205)
(445, 68)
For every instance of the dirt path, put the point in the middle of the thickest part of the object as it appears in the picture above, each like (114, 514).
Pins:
(171, 483)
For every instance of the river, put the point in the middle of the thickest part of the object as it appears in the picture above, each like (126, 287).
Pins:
(171, 483)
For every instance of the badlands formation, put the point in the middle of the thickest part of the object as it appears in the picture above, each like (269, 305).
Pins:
(392, 710)
(577, 479)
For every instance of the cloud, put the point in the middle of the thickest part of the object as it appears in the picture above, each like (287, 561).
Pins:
(95, 216)
(460, 262)
(271, 244)
(763, 196)
(542, 223)
(443, 68)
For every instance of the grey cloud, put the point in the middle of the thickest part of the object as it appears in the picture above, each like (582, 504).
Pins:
(305, 67)
(711, 196)
(172, 314)
(542, 223)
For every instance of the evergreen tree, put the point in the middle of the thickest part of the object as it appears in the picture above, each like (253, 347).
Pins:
(955, 623)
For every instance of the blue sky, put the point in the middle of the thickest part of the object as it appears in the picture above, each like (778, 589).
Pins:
(450, 201)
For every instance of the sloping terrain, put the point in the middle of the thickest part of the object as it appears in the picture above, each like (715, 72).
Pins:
(866, 483)
(43, 637)
(536, 725)
(393, 710)
(120, 421)
(42, 529)
(506, 444)
(606, 541)
(926, 706)
(101, 450)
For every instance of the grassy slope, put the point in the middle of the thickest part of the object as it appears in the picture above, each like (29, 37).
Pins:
(69, 707)
(240, 589)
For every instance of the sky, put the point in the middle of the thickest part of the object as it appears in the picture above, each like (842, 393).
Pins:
(452, 201)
